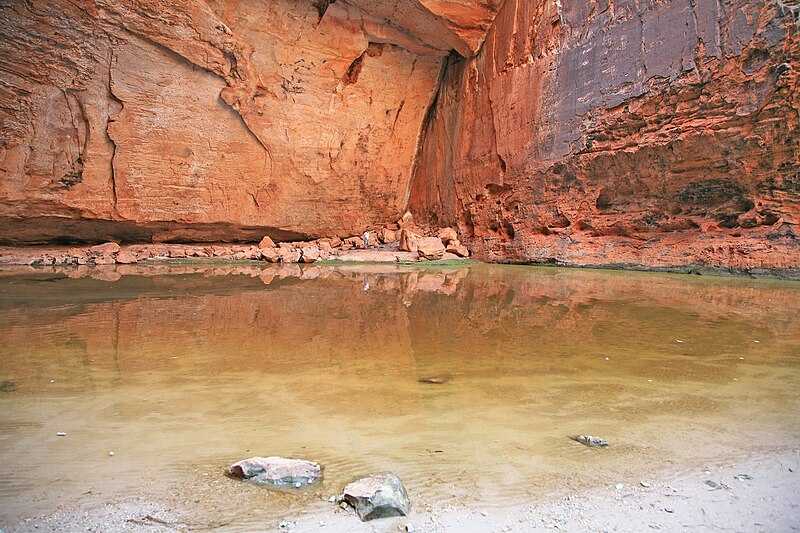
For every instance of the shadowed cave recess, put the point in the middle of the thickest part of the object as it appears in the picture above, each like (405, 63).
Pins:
(641, 133)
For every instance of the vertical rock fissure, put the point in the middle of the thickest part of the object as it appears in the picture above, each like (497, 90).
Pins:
(113, 172)
(427, 120)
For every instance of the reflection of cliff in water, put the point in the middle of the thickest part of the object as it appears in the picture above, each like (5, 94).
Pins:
(435, 320)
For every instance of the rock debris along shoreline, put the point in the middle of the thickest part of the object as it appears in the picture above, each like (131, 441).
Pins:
(373, 496)
(400, 242)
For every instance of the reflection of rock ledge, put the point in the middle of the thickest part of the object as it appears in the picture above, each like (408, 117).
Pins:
(380, 276)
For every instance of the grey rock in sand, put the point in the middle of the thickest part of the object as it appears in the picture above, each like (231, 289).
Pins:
(588, 440)
(279, 472)
(377, 496)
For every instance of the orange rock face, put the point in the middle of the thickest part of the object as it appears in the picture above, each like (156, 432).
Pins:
(642, 132)
(646, 133)
(217, 119)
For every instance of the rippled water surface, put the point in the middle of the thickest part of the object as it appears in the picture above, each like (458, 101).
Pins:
(181, 371)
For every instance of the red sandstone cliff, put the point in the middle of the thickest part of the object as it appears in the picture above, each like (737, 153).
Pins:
(646, 132)
(217, 119)
(656, 133)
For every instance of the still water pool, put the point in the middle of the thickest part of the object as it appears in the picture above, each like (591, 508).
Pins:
(182, 370)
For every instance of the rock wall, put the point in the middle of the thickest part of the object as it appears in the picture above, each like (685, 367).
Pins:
(644, 132)
(640, 132)
(217, 119)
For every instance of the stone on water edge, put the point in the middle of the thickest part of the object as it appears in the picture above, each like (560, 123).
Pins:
(291, 256)
(126, 257)
(107, 248)
(310, 254)
(377, 496)
(278, 472)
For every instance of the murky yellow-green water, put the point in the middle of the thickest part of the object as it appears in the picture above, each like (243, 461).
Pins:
(181, 371)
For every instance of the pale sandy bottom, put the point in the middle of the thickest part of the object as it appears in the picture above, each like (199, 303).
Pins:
(677, 500)
(691, 380)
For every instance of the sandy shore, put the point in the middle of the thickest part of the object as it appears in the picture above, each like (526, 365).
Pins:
(710, 497)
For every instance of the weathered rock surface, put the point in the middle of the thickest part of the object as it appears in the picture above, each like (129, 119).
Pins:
(447, 235)
(377, 496)
(651, 133)
(310, 254)
(278, 472)
(655, 133)
(409, 240)
(216, 120)
(266, 242)
(430, 248)
(455, 247)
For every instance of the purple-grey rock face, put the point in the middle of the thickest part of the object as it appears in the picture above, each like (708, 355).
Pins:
(633, 132)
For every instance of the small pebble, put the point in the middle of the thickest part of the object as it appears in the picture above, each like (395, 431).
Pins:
(649, 380)
(332, 499)
(644, 484)
(484, 513)
(111, 454)
(61, 434)
(409, 527)
(298, 485)
(619, 486)
(52, 381)
(678, 340)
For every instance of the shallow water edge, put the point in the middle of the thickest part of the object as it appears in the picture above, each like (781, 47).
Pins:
(181, 370)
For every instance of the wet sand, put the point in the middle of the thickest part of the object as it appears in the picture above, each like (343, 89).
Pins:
(676, 500)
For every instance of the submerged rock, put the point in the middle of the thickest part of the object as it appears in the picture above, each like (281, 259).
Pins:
(377, 496)
(7, 386)
(440, 379)
(588, 440)
(278, 472)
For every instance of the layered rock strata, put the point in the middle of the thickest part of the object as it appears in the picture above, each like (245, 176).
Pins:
(216, 120)
(625, 132)
(636, 132)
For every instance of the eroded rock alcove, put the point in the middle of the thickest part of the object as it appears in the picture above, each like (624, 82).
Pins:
(642, 132)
